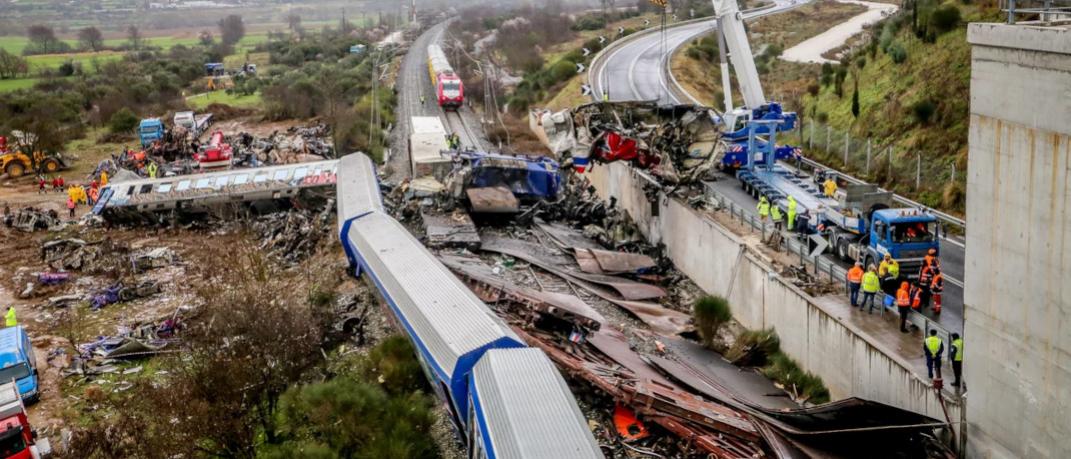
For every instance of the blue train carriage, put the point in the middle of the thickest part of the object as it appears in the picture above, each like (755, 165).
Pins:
(449, 325)
(520, 407)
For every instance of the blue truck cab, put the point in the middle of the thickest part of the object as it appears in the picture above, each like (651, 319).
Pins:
(906, 234)
(150, 130)
(17, 362)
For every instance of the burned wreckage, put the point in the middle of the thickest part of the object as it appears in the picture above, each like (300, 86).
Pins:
(677, 143)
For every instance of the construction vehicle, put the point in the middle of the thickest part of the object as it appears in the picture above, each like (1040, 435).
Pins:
(195, 125)
(216, 155)
(15, 163)
(150, 130)
(17, 439)
(17, 362)
(857, 222)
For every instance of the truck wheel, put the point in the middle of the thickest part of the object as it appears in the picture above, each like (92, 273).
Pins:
(842, 249)
(51, 165)
(15, 170)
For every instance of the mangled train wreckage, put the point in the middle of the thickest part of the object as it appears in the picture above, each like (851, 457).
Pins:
(679, 144)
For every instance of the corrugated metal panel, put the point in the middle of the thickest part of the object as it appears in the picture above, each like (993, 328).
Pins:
(528, 410)
(444, 314)
(437, 59)
(358, 187)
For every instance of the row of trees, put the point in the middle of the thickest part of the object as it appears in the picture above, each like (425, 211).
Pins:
(43, 39)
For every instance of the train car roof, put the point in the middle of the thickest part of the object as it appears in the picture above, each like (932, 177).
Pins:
(446, 320)
(526, 410)
(357, 190)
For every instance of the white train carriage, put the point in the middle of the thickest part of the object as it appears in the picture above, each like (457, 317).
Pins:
(520, 407)
(449, 325)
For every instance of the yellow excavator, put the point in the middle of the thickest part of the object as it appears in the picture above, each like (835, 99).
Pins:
(15, 163)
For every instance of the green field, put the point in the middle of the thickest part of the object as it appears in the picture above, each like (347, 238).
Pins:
(51, 61)
(200, 101)
(20, 83)
(16, 43)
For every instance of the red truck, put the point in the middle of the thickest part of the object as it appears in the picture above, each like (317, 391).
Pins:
(17, 439)
(216, 155)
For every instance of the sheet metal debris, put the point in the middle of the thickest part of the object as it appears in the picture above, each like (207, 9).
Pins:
(449, 230)
(30, 219)
(598, 261)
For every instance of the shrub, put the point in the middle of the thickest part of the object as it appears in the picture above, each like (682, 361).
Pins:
(923, 110)
(754, 348)
(806, 385)
(945, 18)
(711, 312)
(123, 121)
(589, 22)
(813, 89)
(897, 53)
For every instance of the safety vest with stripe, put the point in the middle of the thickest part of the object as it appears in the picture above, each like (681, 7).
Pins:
(855, 275)
(933, 344)
(958, 344)
(903, 298)
(871, 283)
(775, 213)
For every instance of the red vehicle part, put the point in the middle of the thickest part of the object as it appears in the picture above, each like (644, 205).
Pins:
(17, 439)
(616, 147)
(450, 91)
(216, 154)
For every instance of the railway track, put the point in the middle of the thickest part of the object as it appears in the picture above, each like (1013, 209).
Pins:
(456, 123)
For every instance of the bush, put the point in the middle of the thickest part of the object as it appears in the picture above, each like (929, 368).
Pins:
(123, 121)
(813, 89)
(897, 53)
(754, 348)
(589, 22)
(711, 312)
(923, 110)
(806, 385)
(945, 18)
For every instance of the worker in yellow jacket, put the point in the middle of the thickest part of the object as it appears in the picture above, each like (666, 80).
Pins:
(9, 318)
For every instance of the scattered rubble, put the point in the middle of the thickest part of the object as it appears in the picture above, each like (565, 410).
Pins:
(293, 235)
(79, 255)
(296, 145)
(678, 144)
(30, 219)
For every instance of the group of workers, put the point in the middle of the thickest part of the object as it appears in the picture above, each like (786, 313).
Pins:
(79, 194)
(453, 141)
(933, 348)
(774, 213)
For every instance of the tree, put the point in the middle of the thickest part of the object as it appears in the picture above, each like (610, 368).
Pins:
(231, 29)
(123, 121)
(91, 39)
(42, 39)
(133, 35)
(206, 38)
(855, 99)
(711, 312)
(11, 66)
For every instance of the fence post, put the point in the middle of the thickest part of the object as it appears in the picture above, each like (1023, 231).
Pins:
(868, 156)
(918, 171)
(810, 141)
(846, 143)
(953, 172)
(829, 134)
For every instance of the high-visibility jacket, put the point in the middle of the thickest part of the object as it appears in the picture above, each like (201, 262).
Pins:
(764, 207)
(855, 275)
(938, 284)
(889, 268)
(831, 187)
(926, 276)
(152, 170)
(916, 298)
(929, 260)
(791, 206)
(957, 350)
(903, 298)
(871, 283)
(775, 213)
(9, 318)
(934, 346)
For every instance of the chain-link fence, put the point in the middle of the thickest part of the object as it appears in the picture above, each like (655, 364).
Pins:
(935, 182)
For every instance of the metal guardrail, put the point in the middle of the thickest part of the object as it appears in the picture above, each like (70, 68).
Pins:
(822, 265)
(1047, 10)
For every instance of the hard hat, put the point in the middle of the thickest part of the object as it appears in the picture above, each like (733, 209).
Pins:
(933, 251)
(859, 264)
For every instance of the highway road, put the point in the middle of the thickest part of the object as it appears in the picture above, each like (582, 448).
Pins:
(635, 70)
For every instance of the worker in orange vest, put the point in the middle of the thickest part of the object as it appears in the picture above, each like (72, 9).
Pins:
(903, 303)
(855, 280)
(936, 287)
(925, 280)
(930, 259)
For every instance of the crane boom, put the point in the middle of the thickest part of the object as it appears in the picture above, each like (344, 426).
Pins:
(731, 27)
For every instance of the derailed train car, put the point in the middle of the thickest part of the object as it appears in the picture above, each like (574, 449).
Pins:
(468, 354)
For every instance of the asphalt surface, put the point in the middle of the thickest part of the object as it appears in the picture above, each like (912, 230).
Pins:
(634, 71)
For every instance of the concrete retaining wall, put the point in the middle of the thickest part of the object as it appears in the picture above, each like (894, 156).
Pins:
(721, 263)
(1017, 359)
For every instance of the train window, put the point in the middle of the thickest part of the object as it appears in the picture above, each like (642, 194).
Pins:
(451, 86)
(129, 190)
(183, 185)
(241, 179)
(203, 183)
(260, 178)
(145, 188)
(163, 188)
(222, 181)
(281, 175)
